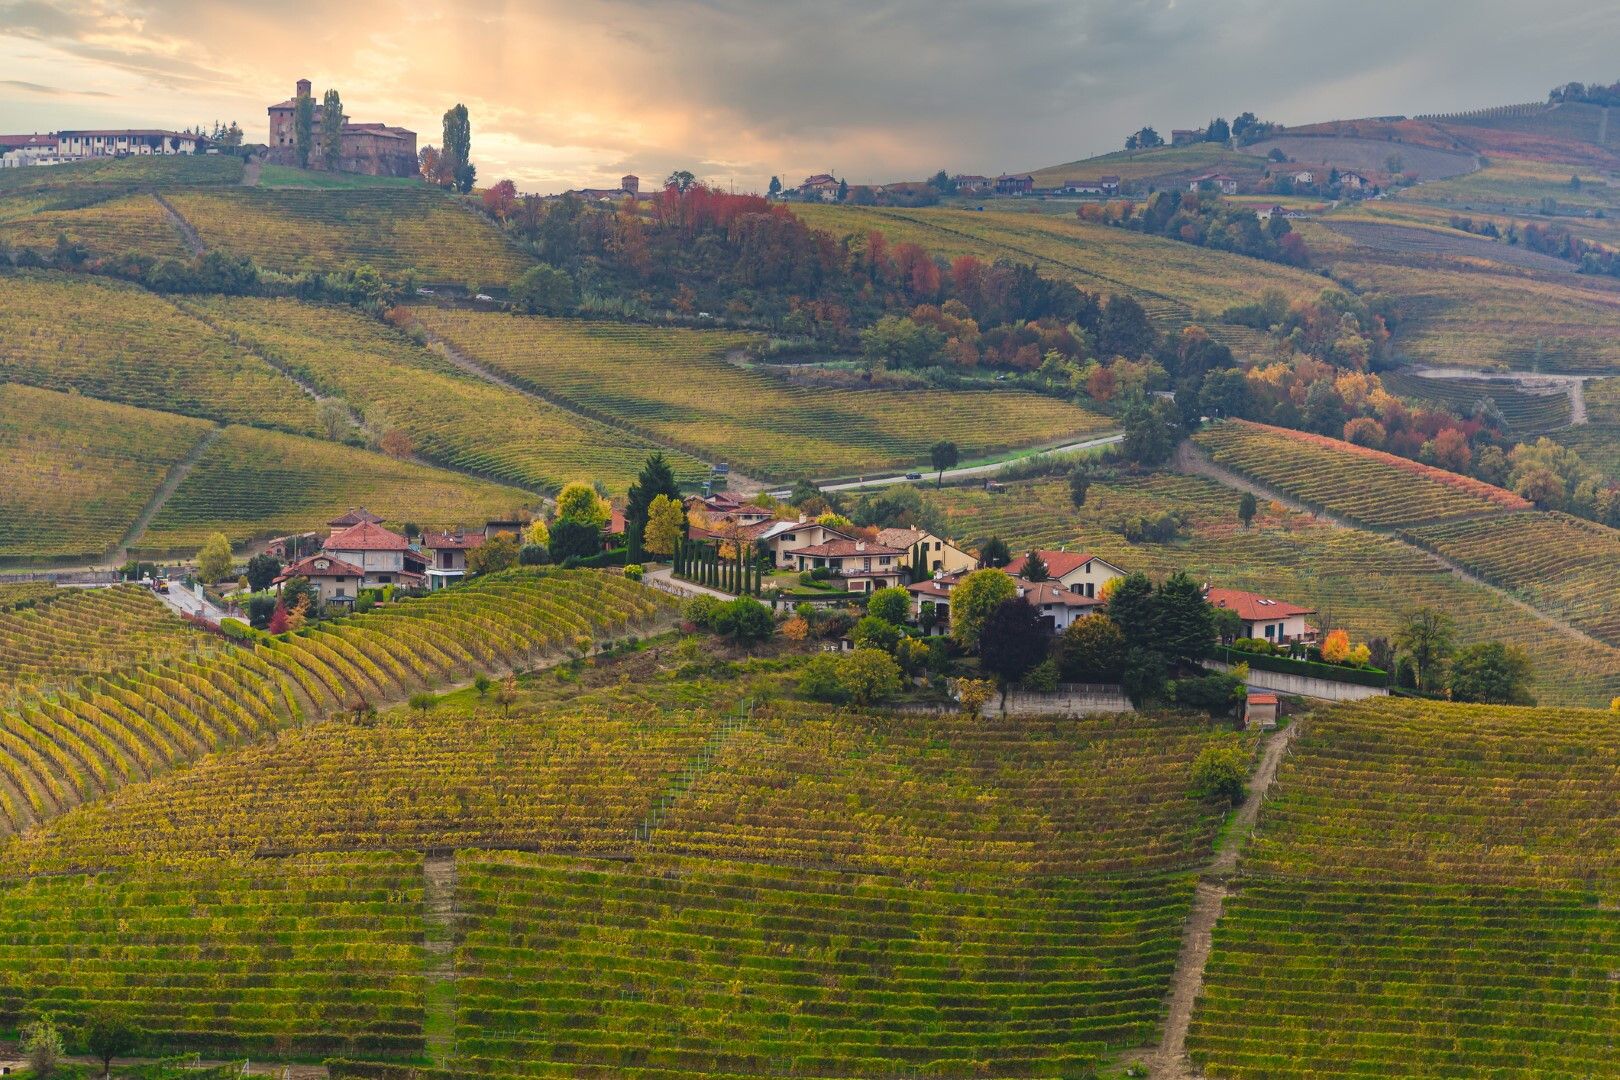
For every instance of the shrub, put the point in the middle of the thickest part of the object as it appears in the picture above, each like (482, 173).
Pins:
(702, 611)
(860, 677)
(1220, 772)
(873, 632)
(1217, 694)
(42, 1045)
(633, 571)
(972, 694)
(890, 605)
(744, 620)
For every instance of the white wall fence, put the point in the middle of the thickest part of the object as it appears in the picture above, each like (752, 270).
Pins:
(1303, 685)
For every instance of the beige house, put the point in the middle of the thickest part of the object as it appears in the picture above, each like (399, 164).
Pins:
(864, 566)
(383, 557)
(1270, 620)
(939, 556)
(446, 555)
(1078, 572)
(1059, 605)
(333, 578)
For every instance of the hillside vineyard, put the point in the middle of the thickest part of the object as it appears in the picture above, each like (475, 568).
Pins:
(1153, 616)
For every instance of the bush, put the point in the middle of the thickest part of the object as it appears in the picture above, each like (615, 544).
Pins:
(744, 620)
(890, 605)
(533, 555)
(875, 633)
(860, 677)
(1220, 771)
(42, 1045)
(633, 571)
(702, 611)
(1216, 694)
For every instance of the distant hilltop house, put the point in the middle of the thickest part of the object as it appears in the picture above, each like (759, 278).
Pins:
(1015, 184)
(1102, 185)
(35, 149)
(125, 142)
(822, 186)
(1226, 185)
(1186, 136)
(629, 187)
(1305, 176)
(372, 149)
(973, 184)
(1353, 181)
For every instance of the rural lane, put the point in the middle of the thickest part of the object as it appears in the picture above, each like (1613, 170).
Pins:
(987, 469)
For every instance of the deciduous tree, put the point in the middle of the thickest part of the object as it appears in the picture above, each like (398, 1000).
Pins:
(1492, 673)
(890, 605)
(974, 599)
(578, 502)
(261, 571)
(943, 455)
(108, 1035)
(666, 525)
(1012, 641)
(1247, 506)
(499, 552)
(1426, 639)
(214, 560)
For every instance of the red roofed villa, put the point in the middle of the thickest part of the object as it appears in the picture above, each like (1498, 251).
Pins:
(1271, 620)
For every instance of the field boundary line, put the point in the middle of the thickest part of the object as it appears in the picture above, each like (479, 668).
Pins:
(187, 232)
(1191, 460)
(440, 921)
(1169, 1060)
(177, 473)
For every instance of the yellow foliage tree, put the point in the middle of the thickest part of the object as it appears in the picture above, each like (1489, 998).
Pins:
(1361, 655)
(666, 525)
(972, 694)
(1336, 647)
(579, 502)
(537, 533)
(214, 560)
(796, 629)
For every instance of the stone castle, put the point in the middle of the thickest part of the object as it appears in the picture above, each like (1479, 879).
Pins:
(372, 149)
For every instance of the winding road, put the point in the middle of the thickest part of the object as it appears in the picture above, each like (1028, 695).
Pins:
(927, 476)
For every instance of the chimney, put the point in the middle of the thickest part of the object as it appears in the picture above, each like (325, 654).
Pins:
(303, 88)
(804, 519)
(860, 545)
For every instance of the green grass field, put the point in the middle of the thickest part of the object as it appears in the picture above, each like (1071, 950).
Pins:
(284, 176)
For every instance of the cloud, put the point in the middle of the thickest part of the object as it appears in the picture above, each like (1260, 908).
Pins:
(49, 91)
(563, 93)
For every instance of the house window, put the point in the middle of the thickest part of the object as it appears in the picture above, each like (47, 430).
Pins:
(385, 579)
(1271, 631)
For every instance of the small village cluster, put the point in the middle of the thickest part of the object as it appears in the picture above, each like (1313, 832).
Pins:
(1071, 585)
(360, 554)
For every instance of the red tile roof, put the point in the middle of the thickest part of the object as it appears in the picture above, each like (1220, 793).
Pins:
(846, 549)
(1058, 563)
(309, 566)
(439, 541)
(1042, 593)
(1252, 607)
(1262, 699)
(354, 517)
(366, 536)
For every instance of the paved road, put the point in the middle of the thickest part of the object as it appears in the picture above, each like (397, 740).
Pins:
(989, 469)
(191, 601)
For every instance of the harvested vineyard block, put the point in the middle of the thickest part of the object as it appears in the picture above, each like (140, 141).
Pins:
(1365, 485)
(316, 955)
(451, 417)
(106, 339)
(252, 484)
(395, 231)
(68, 632)
(675, 386)
(110, 227)
(75, 473)
(713, 968)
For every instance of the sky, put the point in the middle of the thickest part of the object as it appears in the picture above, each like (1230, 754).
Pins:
(570, 93)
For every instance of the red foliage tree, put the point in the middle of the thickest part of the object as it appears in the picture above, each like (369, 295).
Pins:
(500, 199)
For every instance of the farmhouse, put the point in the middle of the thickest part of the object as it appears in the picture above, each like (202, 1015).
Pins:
(1082, 573)
(865, 566)
(629, 188)
(125, 142)
(334, 579)
(1015, 184)
(1353, 181)
(373, 149)
(1226, 185)
(18, 150)
(973, 184)
(1059, 605)
(937, 555)
(360, 516)
(383, 557)
(1186, 136)
(1304, 176)
(447, 555)
(823, 186)
(1275, 621)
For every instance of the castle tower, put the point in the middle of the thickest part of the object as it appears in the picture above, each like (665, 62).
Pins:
(303, 88)
(630, 183)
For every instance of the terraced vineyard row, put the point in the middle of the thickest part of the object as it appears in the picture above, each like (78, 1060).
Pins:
(151, 172)
(74, 472)
(939, 794)
(316, 955)
(452, 418)
(577, 778)
(1525, 412)
(674, 386)
(395, 231)
(1367, 486)
(1430, 894)
(24, 594)
(656, 968)
(251, 484)
(1362, 581)
(72, 632)
(56, 753)
(1559, 563)
(130, 223)
(106, 339)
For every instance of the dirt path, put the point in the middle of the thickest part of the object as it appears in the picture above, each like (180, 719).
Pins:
(1531, 382)
(1169, 1061)
(250, 172)
(440, 922)
(182, 226)
(176, 474)
(1189, 459)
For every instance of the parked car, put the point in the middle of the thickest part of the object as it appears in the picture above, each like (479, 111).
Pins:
(913, 476)
(485, 298)
(424, 292)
